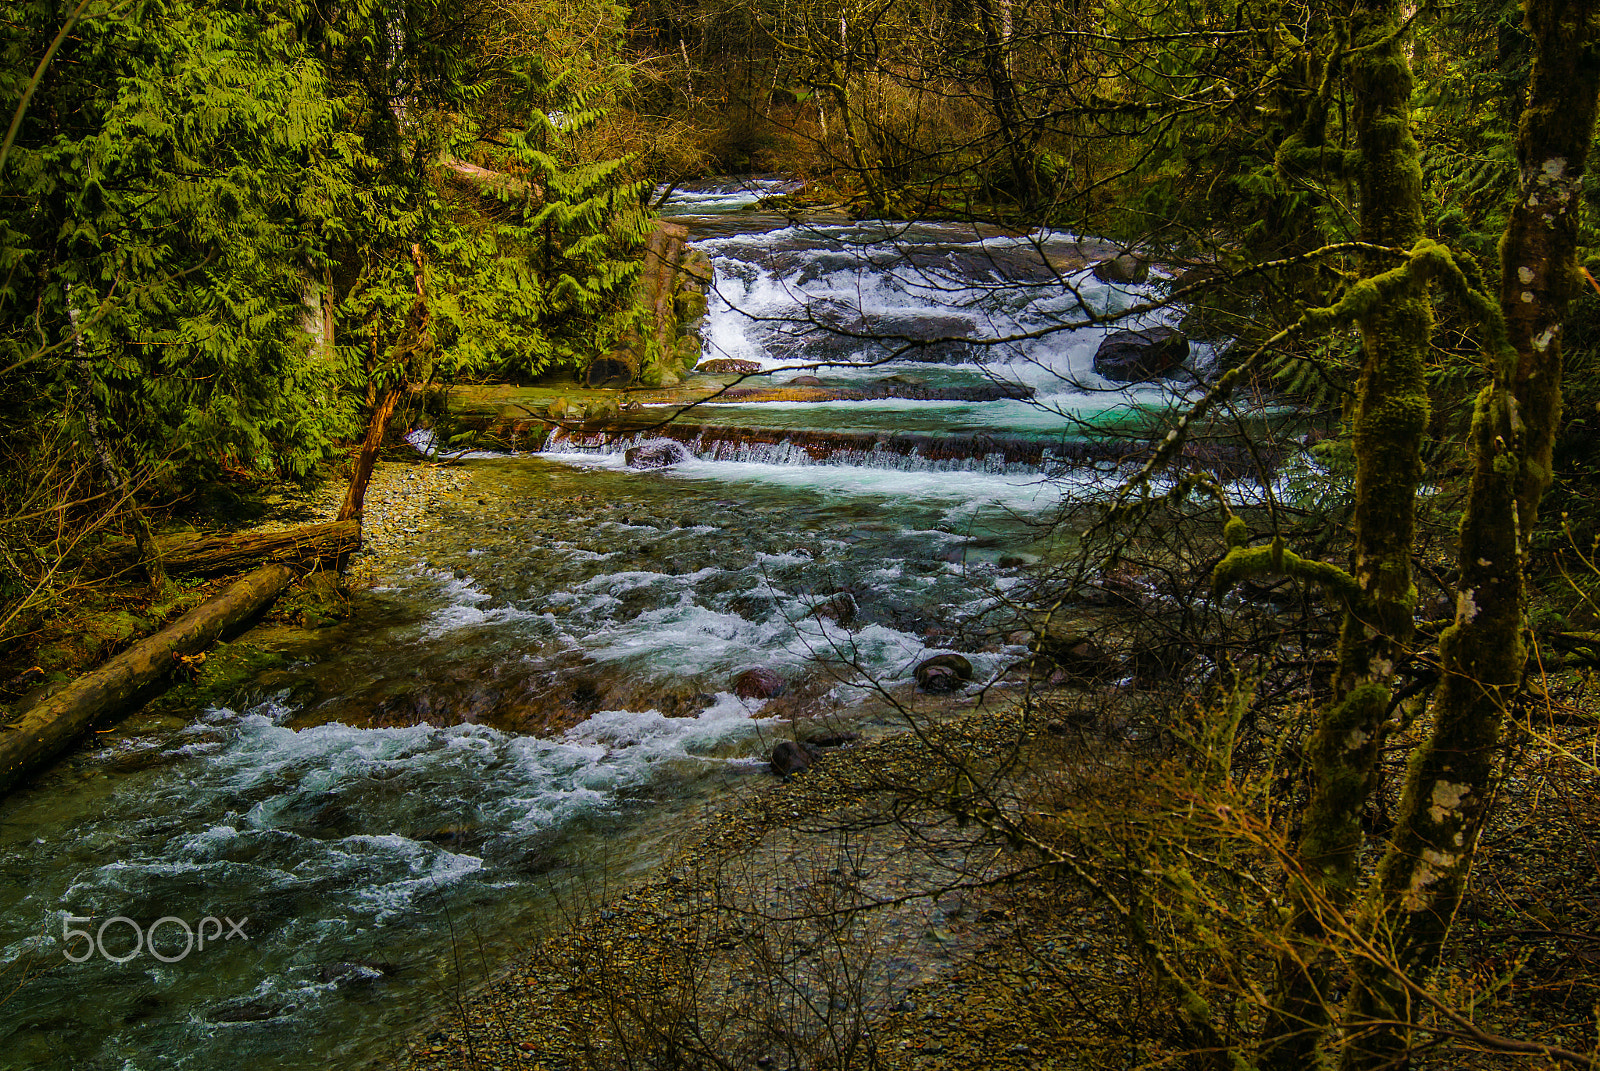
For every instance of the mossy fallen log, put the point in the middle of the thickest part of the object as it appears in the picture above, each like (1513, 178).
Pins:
(50, 726)
(233, 553)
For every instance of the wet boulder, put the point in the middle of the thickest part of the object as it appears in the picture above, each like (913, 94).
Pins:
(805, 381)
(758, 683)
(840, 607)
(728, 366)
(1126, 268)
(943, 674)
(790, 758)
(1134, 356)
(656, 454)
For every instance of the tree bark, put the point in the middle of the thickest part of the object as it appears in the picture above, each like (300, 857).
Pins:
(1425, 869)
(1003, 95)
(51, 726)
(305, 546)
(355, 497)
(1390, 417)
(413, 342)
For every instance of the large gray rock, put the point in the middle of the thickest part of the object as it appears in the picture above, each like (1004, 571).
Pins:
(943, 674)
(1126, 268)
(790, 758)
(1134, 356)
(655, 454)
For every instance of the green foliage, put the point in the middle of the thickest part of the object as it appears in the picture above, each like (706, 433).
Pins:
(1474, 66)
(585, 232)
(157, 194)
(194, 182)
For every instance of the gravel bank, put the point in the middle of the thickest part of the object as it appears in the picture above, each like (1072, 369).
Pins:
(813, 922)
(404, 501)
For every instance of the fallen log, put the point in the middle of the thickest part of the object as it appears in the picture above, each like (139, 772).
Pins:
(233, 553)
(50, 726)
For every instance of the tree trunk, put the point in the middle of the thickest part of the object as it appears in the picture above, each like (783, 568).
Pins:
(305, 546)
(413, 343)
(51, 726)
(1425, 869)
(355, 497)
(1003, 94)
(1391, 414)
(840, 87)
(149, 553)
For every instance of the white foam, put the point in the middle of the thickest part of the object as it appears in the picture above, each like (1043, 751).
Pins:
(649, 737)
(424, 442)
(464, 608)
(722, 198)
(769, 287)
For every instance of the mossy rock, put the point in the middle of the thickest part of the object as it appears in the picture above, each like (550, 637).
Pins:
(566, 409)
(318, 601)
(697, 265)
(226, 670)
(661, 374)
(690, 305)
(603, 409)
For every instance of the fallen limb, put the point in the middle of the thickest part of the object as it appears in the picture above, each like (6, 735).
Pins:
(50, 726)
(233, 553)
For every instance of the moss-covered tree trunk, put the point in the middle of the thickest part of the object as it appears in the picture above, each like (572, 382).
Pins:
(1425, 868)
(1390, 417)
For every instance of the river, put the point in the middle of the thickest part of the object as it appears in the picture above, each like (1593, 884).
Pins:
(380, 814)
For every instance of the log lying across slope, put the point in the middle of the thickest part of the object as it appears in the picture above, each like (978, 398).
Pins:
(51, 725)
(305, 546)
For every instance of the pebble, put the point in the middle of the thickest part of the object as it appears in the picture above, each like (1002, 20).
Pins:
(404, 502)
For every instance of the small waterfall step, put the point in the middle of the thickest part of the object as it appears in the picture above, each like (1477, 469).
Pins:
(1011, 454)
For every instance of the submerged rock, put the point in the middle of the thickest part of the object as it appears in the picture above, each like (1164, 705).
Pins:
(254, 1011)
(1133, 356)
(943, 674)
(354, 972)
(758, 683)
(656, 454)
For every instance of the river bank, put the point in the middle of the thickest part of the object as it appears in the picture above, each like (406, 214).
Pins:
(809, 923)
